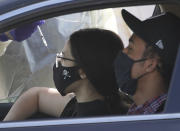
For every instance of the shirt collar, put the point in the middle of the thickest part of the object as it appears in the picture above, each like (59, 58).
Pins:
(149, 107)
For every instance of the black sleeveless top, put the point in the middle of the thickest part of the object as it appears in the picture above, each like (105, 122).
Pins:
(86, 109)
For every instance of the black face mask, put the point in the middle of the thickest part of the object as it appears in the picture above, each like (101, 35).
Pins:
(123, 65)
(64, 76)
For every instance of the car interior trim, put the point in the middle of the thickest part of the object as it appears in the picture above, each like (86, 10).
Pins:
(90, 120)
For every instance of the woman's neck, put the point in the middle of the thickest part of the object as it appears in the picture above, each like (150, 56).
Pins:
(86, 93)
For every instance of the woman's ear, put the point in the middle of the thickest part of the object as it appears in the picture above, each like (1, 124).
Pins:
(151, 64)
(82, 74)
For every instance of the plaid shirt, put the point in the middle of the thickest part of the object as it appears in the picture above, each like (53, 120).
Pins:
(149, 107)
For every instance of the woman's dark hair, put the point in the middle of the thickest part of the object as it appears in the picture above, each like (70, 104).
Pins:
(95, 50)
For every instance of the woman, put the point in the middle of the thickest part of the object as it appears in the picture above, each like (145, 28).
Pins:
(84, 67)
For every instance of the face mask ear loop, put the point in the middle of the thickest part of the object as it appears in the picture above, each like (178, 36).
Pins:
(140, 60)
(142, 76)
(136, 61)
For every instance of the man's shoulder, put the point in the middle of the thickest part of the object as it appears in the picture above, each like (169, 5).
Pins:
(155, 105)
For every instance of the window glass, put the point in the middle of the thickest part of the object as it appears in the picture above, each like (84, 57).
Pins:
(17, 77)
(29, 63)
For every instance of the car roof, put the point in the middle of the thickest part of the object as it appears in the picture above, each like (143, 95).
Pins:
(8, 5)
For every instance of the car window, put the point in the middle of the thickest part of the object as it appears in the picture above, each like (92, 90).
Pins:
(35, 58)
(29, 63)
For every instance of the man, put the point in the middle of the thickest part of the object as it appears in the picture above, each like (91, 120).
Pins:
(144, 68)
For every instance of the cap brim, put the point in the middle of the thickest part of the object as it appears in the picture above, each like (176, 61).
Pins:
(136, 25)
(131, 20)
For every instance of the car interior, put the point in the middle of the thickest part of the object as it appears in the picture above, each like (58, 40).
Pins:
(30, 73)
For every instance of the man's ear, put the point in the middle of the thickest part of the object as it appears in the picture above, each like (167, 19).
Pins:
(151, 64)
(82, 74)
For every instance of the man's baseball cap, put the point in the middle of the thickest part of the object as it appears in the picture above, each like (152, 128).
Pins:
(161, 32)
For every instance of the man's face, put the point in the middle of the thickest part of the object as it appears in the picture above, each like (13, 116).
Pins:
(135, 51)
